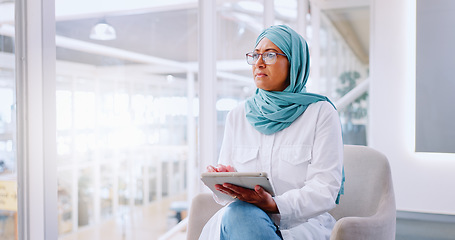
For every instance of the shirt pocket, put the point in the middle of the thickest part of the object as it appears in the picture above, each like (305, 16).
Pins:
(293, 162)
(245, 158)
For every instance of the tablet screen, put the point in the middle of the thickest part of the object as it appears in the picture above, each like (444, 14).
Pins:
(242, 179)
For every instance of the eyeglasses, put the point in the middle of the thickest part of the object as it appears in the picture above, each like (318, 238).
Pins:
(268, 57)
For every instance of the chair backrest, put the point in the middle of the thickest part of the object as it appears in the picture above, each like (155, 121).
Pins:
(368, 183)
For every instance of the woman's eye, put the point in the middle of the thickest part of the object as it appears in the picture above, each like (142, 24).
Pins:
(269, 55)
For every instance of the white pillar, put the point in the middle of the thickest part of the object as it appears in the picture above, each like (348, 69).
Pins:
(97, 190)
(315, 50)
(269, 13)
(74, 197)
(159, 178)
(330, 83)
(131, 183)
(75, 163)
(36, 119)
(97, 165)
(207, 147)
(146, 178)
(302, 10)
(115, 181)
(192, 167)
(339, 60)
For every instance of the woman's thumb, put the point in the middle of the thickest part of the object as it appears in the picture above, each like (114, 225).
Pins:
(259, 190)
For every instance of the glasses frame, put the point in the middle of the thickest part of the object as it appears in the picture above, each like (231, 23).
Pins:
(262, 56)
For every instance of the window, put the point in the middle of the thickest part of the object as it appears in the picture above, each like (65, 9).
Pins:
(122, 116)
(8, 164)
(344, 65)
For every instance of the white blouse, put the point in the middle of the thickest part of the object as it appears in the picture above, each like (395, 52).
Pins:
(304, 164)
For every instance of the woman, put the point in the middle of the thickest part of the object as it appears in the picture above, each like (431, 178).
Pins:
(292, 135)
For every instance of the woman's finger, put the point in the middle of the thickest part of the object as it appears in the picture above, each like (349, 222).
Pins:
(226, 191)
(221, 168)
(244, 194)
(230, 168)
(260, 191)
(211, 168)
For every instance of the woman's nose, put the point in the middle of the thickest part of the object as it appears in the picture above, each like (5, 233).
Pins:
(260, 62)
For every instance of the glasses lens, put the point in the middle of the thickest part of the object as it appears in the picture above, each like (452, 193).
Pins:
(269, 58)
(251, 58)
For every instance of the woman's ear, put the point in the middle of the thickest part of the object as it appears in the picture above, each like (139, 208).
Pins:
(288, 79)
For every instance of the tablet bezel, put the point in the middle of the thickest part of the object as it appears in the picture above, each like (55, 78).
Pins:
(243, 179)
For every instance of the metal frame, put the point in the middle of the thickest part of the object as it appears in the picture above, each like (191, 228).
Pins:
(207, 84)
(35, 93)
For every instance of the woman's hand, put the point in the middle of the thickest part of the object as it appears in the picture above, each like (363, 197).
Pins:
(221, 168)
(259, 197)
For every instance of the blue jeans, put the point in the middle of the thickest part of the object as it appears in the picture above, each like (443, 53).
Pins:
(245, 221)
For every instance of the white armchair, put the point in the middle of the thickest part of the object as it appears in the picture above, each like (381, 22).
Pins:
(366, 210)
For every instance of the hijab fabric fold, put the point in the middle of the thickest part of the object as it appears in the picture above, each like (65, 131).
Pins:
(272, 111)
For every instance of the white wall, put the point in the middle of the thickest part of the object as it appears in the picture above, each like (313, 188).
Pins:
(423, 182)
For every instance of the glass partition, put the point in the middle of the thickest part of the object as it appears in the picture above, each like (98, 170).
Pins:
(345, 45)
(122, 114)
(338, 39)
(238, 24)
(8, 163)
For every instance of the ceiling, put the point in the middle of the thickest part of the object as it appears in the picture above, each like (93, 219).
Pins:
(354, 25)
(168, 35)
(168, 30)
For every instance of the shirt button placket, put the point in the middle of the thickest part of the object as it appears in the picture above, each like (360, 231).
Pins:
(267, 146)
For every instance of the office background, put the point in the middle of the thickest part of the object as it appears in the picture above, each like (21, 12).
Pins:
(136, 116)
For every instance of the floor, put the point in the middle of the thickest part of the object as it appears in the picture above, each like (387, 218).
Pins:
(143, 223)
(151, 222)
(420, 229)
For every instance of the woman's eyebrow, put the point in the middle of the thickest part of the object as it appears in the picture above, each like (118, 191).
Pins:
(268, 49)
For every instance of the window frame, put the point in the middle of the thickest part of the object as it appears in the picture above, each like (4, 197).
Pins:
(35, 101)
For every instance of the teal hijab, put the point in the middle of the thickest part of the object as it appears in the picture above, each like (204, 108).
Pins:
(269, 111)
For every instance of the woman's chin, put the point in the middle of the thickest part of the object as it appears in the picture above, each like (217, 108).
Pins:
(260, 84)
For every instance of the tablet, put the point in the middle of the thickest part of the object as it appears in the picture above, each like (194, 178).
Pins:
(243, 179)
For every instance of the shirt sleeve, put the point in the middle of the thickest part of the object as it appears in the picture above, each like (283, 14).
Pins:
(324, 174)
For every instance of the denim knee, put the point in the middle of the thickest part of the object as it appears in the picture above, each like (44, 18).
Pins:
(242, 220)
(240, 213)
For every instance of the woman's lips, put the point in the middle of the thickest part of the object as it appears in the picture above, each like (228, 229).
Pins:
(261, 74)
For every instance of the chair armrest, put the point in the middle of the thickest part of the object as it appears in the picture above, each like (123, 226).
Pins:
(202, 208)
(380, 226)
(360, 228)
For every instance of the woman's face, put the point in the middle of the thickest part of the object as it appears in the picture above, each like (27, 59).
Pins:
(272, 77)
